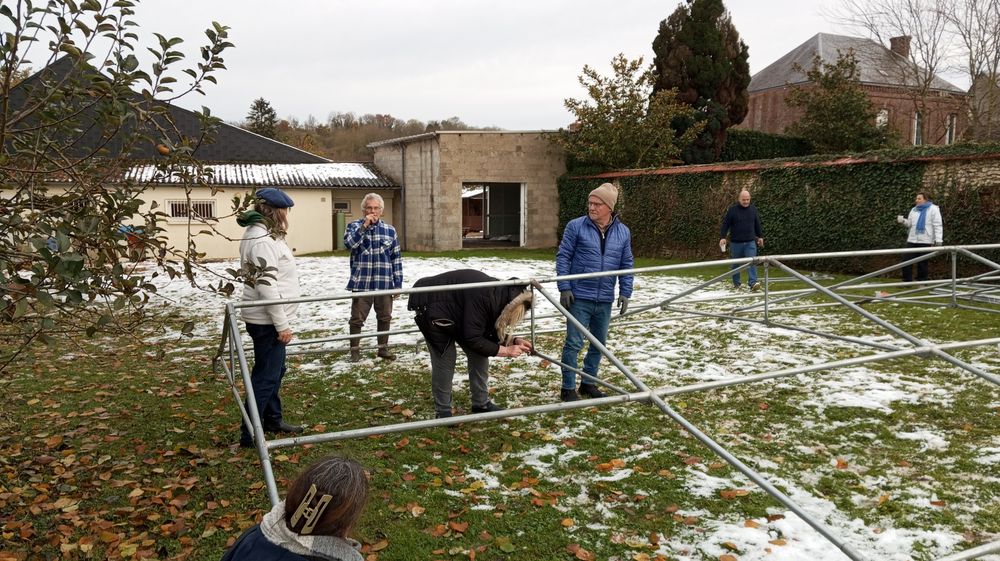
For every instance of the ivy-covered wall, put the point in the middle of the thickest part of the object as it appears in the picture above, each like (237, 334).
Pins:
(806, 207)
(743, 145)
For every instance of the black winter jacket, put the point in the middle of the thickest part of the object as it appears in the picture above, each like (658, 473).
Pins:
(467, 316)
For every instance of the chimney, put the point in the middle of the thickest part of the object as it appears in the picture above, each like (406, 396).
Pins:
(900, 45)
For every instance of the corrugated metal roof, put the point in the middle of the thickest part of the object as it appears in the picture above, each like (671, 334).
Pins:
(323, 176)
(877, 65)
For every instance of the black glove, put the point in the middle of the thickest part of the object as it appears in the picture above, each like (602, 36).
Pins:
(566, 298)
(622, 305)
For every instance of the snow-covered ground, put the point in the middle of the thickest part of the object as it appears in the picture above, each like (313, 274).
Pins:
(665, 353)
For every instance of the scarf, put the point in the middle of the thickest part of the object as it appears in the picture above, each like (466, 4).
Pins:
(922, 221)
(327, 547)
(249, 217)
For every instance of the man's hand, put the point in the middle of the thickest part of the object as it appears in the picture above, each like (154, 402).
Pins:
(566, 298)
(285, 337)
(369, 220)
(622, 305)
(900, 219)
(760, 242)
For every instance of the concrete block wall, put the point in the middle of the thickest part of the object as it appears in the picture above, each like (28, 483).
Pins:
(527, 158)
(436, 167)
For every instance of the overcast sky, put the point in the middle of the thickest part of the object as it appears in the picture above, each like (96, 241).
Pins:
(505, 64)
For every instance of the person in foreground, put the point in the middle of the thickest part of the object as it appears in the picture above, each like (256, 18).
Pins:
(593, 243)
(924, 229)
(314, 521)
(269, 327)
(480, 320)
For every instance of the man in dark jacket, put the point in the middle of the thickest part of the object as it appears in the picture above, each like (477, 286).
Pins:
(480, 320)
(746, 234)
(593, 243)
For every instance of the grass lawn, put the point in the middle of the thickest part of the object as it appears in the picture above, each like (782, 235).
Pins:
(116, 452)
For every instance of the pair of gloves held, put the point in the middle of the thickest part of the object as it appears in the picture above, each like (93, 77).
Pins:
(566, 299)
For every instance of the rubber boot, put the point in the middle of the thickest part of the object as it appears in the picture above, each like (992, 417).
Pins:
(383, 342)
(355, 345)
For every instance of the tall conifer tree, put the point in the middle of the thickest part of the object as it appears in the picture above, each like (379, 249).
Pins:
(262, 118)
(699, 53)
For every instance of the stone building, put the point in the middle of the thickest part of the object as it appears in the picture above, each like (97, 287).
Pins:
(885, 76)
(515, 171)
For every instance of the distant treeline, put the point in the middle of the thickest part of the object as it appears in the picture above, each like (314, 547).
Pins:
(344, 137)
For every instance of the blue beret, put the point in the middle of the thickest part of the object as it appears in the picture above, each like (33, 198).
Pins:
(275, 197)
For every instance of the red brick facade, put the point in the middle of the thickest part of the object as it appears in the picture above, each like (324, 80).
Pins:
(768, 112)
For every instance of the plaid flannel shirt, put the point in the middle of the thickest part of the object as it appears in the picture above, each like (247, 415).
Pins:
(376, 262)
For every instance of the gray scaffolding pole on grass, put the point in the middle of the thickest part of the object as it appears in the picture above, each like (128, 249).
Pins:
(231, 347)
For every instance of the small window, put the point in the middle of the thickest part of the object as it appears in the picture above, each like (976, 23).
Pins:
(950, 133)
(342, 206)
(918, 129)
(882, 118)
(198, 210)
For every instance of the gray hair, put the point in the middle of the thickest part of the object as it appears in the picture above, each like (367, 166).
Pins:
(373, 197)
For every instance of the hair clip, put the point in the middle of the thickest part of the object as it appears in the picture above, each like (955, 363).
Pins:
(311, 514)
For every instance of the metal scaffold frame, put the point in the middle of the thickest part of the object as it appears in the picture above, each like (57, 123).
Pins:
(955, 292)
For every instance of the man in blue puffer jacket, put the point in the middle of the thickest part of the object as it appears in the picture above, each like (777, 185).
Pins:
(593, 243)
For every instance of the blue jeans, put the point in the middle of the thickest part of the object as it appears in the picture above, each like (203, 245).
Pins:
(265, 377)
(744, 249)
(595, 316)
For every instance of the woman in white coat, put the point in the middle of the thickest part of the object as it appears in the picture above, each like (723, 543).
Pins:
(268, 326)
(925, 229)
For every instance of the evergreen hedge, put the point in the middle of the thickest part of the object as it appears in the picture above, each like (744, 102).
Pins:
(809, 208)
(743, 145)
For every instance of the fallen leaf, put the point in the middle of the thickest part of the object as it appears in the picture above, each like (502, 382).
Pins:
(841, 463)
(380, 545)
(459, 527)
(567, 522)
(751, 524)
(779, 541)
(505, 545)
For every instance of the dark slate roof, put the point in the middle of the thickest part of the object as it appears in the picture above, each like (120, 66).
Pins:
(232, 144)
(319, 176)
(877, 64)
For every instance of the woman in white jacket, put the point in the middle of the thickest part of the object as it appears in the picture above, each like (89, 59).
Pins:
(268, 326)
(925, 229)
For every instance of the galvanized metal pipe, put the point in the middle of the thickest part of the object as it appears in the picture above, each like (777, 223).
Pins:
(894, 329)
(705, 439)
(974, 553)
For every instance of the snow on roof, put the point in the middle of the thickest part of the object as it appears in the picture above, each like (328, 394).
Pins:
(277, 175)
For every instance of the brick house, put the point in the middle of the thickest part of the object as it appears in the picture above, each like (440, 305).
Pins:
(882, 77)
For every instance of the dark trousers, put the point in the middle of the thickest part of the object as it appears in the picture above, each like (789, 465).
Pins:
(361, 306)
(443, 372)
(921, 267)
(265, 378)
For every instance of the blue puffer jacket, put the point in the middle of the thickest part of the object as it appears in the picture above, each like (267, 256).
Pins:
(581, 251)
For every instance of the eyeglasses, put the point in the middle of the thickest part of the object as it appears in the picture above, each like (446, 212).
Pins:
(373, 208)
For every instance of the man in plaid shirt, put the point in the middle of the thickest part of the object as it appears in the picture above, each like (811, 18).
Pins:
(376, 264)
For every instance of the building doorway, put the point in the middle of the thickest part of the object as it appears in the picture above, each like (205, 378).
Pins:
(492, 214)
